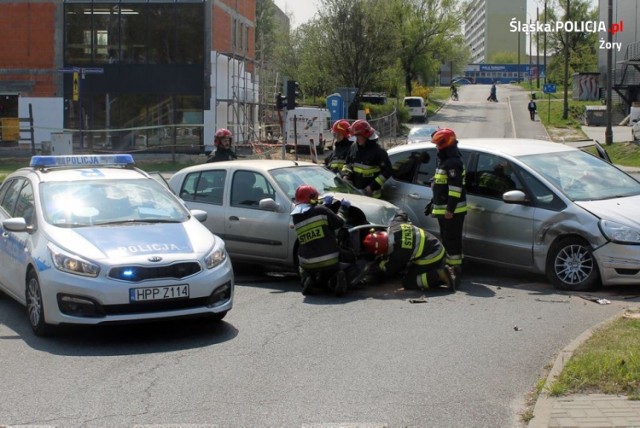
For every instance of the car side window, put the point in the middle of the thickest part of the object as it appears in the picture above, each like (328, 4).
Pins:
(204, 186)
(413, 166)
(248, 188)
(25, 204)
(11, 195)
(493, 176)
(542, 196)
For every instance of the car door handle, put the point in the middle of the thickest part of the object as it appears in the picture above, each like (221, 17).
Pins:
(414, 196)
(476, 208)
(234, 218)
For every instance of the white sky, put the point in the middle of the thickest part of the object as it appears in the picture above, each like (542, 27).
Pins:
(303, 10)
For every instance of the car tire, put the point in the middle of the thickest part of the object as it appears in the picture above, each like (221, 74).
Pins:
(571, 265)
(35, 306)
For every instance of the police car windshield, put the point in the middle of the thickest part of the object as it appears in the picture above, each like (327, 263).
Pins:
(95, 202)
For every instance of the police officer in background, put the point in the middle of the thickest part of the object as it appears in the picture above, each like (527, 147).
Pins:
(367, 165)
(222, 141)
(341, 144)
(449, 203)
(412, 251)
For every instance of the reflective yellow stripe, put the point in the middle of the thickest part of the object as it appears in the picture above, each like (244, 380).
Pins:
(421, 247)
(439, 256)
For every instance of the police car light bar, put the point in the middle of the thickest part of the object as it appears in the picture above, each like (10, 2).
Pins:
(81, 160)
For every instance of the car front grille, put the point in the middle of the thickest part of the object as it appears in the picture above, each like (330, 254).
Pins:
(142, 273)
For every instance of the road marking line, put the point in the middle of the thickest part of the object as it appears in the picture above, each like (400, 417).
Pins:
(513, 124)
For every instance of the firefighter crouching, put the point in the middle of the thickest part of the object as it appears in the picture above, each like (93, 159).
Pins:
(319, 255)
(413, 252)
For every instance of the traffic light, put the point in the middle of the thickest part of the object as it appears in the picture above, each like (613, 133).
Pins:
(293, 91)
(280, 101)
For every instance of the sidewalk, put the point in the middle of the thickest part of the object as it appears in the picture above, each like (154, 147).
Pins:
(583, 410)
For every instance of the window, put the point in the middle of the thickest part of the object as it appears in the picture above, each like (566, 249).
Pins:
(493, 176)
(413, 165)
(205, 186)
(11, 196)
(25, 204)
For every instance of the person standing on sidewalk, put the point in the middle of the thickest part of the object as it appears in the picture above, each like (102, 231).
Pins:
(449, 203)
(532, 107)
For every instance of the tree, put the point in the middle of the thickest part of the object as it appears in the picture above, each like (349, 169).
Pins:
(582, 46)
(424, 28)
(504, 57)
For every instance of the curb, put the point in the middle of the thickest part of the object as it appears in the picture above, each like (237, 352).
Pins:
(544, 404)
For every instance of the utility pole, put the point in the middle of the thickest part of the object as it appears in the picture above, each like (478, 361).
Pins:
(565, 111)
(537, 51)
(544, 41)
(608, 133)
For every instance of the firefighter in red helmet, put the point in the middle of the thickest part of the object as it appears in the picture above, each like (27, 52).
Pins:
(341, 143)
(413, 252)
(319, 255)
(222, 141)
(449, 202)
(367, 164)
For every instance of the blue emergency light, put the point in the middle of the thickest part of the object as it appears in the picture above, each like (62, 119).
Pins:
(81, 160)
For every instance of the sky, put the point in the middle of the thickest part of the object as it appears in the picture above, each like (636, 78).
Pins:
(303, 10)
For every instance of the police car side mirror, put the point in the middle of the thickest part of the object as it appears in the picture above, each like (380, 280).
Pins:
(16, 224)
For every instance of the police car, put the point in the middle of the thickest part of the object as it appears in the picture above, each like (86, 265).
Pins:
(90, 239)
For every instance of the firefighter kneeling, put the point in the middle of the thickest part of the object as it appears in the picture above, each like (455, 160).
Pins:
(405, 248)
(322, 264)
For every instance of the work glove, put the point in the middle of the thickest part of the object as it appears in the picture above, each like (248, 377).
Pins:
(327, 200)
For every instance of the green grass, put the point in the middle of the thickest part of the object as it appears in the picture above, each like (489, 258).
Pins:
(608, 362)
(627, 154)
(437, 97)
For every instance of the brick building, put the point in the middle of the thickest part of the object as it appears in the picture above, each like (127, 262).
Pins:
(144, 73)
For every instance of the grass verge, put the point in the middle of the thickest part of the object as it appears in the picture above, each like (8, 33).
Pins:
(627, 154)
(608, 362)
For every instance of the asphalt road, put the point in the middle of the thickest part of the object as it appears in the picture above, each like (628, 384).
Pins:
(381, 356)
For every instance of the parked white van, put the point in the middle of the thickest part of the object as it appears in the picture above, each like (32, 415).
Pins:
(417, 108)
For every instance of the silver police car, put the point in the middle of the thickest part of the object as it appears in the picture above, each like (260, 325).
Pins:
(90, 239)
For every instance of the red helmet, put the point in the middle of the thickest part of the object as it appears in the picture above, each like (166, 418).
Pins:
(306, 194)
(220, 134)
(341, 127)
(376, 243)
(362, 127)
(444, 138)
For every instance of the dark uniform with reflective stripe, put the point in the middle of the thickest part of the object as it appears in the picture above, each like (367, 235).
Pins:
(337, 159)
(449, 194)
(315, 228)
(222, 155)
(368, 165)
(415, 250)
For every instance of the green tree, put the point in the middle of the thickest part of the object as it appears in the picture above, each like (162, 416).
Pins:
(582, 46)
(424, 28)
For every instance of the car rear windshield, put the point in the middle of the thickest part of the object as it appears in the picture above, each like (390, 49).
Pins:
(413, 102)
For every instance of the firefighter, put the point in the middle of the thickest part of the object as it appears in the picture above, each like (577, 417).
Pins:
(409, 250)
(367, 165)
(222, 141)
(319, 255)
(449, 203)
(341, 144)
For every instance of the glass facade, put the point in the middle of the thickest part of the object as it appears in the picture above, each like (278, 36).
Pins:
(144, 83)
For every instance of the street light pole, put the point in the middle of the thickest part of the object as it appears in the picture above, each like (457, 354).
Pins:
(565, 112)
(608, 133)
(537, 51)
(544, 41)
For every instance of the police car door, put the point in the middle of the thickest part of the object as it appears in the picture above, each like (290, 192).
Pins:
(16, 200)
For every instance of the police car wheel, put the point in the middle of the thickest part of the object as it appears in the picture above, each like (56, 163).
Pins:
(35, 309)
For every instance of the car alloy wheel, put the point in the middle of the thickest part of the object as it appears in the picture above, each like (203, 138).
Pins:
(35, 309)
(571, 265)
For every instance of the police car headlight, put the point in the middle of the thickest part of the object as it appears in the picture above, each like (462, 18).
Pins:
(215, 257)
(619, 233)
(72, 263)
